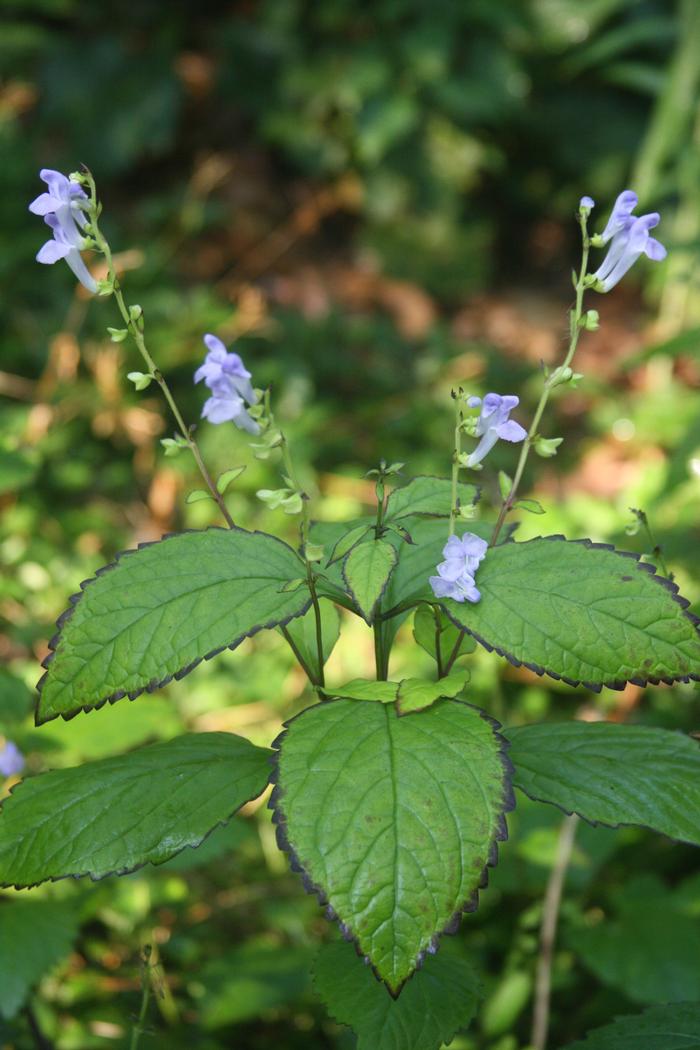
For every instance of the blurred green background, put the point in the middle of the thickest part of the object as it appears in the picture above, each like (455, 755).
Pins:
(376, 201)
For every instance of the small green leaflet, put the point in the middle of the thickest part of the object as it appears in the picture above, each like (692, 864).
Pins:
(114, 815)
(670, 1027)
(366, 571)
(347, 542)
(227, 478)
(428, 496)
(612, 774)
(410, 695)
(432, 629)
(582, 612)
(408, 812)
(302, 632)
(159, 610)
(34, 936)
(441, 998)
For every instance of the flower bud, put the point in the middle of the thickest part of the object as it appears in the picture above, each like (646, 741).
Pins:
(547, 447)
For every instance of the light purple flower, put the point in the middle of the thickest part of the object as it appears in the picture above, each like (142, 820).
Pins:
(625, 249)
(456, 573)
(493, 423)
(11, 760)
(62, 210)
(621, 217)
(629, 238)
(586, 202)
(229, 381)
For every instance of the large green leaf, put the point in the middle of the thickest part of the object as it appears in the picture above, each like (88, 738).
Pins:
(670, 1027)
(119, 813)
(612, 774)
(366, 571)
(429, 496)
(34, 936)
(392, 820)
(581, 612)
(441, 998)
(158, 611)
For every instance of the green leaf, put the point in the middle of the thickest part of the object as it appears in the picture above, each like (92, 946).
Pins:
(347, 542)
(114, 815)
(411, 694)
(141, 380)
(34, 936)
(302, 631)
(431, 619)
(441, 998)
(15, 700)
(392, 820)
(197, 495)
(226, 478)
(533, 506)
(159, 610)
(612, 774)
(429, 496)
(366, 570)
(670, 1027)
(582, 612)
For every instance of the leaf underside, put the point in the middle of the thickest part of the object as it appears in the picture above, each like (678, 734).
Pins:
(612, 774)
(392, 821)
(581, 612)
(441, 998)
(114, 815)
(157, 611)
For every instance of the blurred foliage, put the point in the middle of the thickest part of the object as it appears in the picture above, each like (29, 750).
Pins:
(376, 202)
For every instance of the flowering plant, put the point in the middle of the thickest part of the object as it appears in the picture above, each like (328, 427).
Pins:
(390, 797)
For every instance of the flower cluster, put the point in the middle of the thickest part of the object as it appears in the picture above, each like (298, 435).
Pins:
(11, 760)
(62, 208)
(629, 238)
(494, 423)
(229, 381)
(456, 573)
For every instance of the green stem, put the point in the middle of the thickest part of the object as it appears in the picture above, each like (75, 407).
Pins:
(305, 667)
(575, 316)
(134, 329)
(380, 656)
(438, 647)
(455, 460)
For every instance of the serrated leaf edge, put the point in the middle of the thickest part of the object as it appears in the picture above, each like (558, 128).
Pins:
(595, 687)
(472, 901)
(155, 683)
(136, 867)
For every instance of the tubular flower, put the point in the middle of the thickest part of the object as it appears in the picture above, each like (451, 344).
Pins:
(229, 381)
(62, 210)
(494, 423)
(11, 759)
(629, 238)
(456, 573)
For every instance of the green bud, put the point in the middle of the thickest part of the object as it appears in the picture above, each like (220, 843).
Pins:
(546, 447)
(590, 321)
(105, 287)
(314, 551)
(560, 375)
(293, 504)
(136, 316)
(173, 445)
(139, 379)
(597, 241)
(505, 484)
(118, 335)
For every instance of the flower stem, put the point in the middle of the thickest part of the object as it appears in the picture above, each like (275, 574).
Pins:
(455, 459)
(134, 327)
(575, 316)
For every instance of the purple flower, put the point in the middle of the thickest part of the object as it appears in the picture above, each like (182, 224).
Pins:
(621, 217)
(625, 249)
(62, 209)
(11, 760)
(493, 423)
(456, 573)
(586, 203)
(229, 381)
